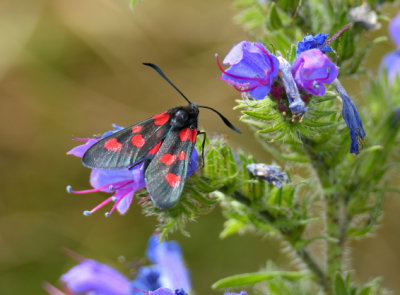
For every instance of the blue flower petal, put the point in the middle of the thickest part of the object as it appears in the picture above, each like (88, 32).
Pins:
(97, 278)
(148, 279)
(391, 64)
(351, 117)
(394, 29)
(313, 42)
(168, 258)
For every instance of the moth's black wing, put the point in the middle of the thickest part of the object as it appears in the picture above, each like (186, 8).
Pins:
(166, 174)
(131, 145)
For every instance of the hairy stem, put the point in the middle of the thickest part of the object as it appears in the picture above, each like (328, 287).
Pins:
(302, 253)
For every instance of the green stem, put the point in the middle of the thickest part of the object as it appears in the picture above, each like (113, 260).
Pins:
(334, 229)
(335, 225)
(303, 254)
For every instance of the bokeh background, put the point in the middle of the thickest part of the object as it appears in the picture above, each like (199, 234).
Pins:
(73, 68)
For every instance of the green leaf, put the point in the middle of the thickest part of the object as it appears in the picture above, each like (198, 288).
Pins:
(254, 278)
(231, 227)
(340, 286)
(274, 20)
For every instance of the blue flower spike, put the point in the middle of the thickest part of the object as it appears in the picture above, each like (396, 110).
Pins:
(352, 118)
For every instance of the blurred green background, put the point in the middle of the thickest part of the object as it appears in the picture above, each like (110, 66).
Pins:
(74, 68)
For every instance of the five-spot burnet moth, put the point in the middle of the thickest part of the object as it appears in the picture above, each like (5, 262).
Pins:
(164, 142)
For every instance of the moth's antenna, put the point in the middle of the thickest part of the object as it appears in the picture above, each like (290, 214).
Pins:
(155, 67)
(226, 121)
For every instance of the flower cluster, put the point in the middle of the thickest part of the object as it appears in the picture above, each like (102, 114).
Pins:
(253, 69)
(167, 276)
(391, 62)
(123, 183)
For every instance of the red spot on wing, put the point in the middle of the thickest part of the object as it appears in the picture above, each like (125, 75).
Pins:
(138, 140)
(161, 119)
(182, 156)
(113, 145)
(137, 128)
(155, 148)
(184, 134)
(193, 135)
(173, 179)
(168, 159)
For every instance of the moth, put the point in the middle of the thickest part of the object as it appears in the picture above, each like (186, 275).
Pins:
(163, 142)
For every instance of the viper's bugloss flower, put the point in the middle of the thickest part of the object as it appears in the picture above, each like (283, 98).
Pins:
(270, 173)
(391, 61)
(167, 275)
(241, 293)
(391, 65)
(351, 117)
(252, 69)
(92, 277)
(394, 30)
(312, 69)
(123, 183)
(313, 42)
(168, 270)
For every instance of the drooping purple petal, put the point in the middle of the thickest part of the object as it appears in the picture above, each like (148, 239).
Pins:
(96, 278)
(312, 69)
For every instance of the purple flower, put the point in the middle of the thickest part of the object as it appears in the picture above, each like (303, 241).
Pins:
(391, 64)
(313, 42)
(351, 117)
(252, 69)
(168, 270)
(270, 173)
(394, 30)
(391, 61)
(312, 69)
(241, 293)
(96, 278)
(123, 183)
(167, 273)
